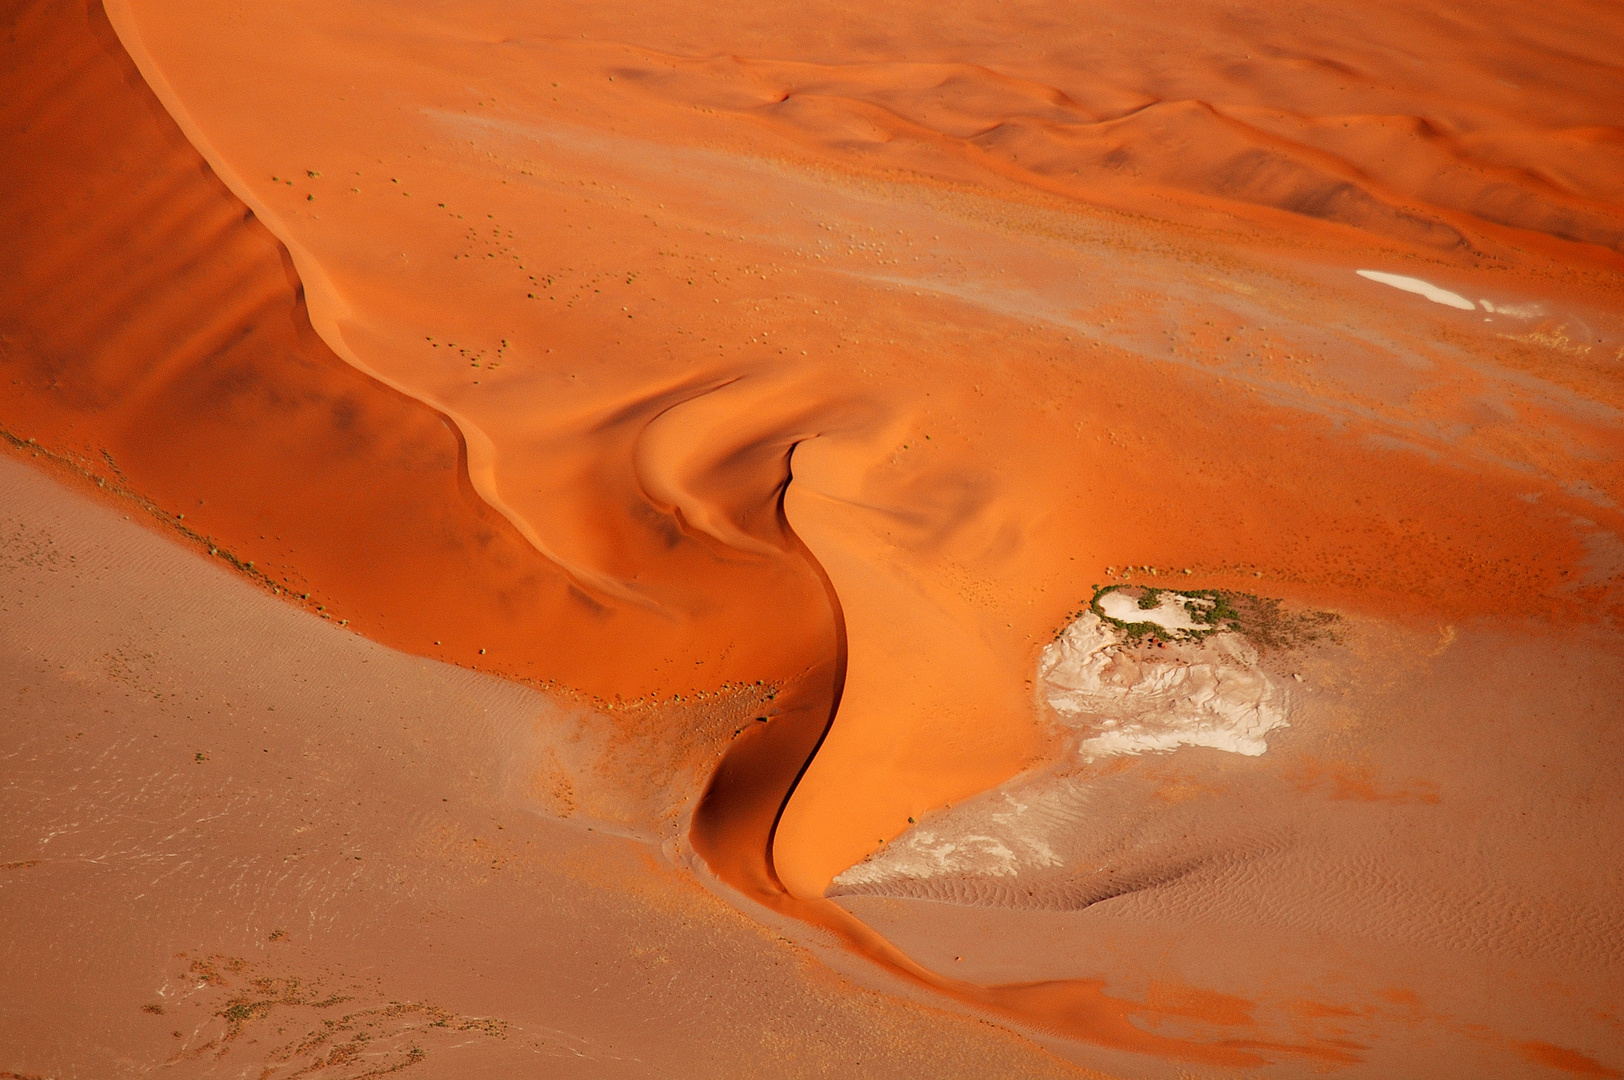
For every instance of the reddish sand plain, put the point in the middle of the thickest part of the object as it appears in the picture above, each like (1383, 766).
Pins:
(665, 355)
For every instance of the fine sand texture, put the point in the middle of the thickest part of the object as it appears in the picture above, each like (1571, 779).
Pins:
(240, 841)
(773, 388)
(1384, 885)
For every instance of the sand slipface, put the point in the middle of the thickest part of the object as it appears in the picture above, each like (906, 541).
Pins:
(773, 383)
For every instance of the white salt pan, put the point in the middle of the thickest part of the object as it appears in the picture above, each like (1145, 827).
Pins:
(998, 840)
(1424, 288)
(1169, 614)
(1516, 311)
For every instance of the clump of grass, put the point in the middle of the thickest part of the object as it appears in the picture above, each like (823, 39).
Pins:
(239, 1012)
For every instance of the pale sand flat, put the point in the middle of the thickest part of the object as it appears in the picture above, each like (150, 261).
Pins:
(205, 788)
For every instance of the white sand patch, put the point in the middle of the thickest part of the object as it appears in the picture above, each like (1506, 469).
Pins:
(1423, 288)
(1209, 694)
(1516, 311)
(1000, 839)
(1170, 614)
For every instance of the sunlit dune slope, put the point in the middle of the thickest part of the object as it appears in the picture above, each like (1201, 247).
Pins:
(1451, 129)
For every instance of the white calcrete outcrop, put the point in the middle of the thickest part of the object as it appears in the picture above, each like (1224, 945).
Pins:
(1122, 701)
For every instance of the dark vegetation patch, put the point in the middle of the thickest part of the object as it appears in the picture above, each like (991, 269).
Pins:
(1209, 607)
(1269, 624)
(1265, 621)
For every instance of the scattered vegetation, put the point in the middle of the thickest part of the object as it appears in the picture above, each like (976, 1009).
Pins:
(82, 467)
(1268, 623)
(1265, 621)
(372, 1041)
(1209, 607)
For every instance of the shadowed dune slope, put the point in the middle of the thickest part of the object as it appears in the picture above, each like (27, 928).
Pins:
(152, 329)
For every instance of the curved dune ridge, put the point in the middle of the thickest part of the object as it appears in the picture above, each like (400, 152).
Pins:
(1111, 128)
(746, 354)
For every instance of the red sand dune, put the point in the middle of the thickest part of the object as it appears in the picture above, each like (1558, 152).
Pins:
(838, 349)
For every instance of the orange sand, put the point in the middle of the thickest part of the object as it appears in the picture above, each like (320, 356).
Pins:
(841, 351)
(623, 400)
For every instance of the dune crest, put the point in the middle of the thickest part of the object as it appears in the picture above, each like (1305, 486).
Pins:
(1216, 136)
